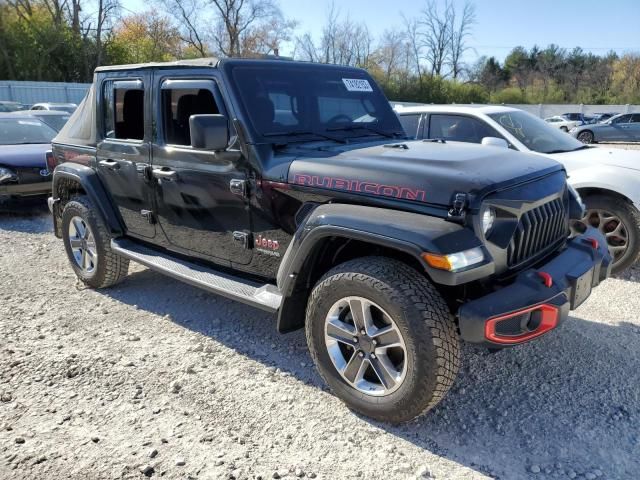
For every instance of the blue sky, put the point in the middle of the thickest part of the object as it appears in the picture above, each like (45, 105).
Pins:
(595, 25)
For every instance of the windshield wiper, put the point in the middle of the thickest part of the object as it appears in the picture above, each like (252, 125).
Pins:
(567, 151)
(363, 127)
(296, 133)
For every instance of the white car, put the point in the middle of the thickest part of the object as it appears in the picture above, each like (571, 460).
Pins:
(608, 179)
(61, 107)
(562, 123)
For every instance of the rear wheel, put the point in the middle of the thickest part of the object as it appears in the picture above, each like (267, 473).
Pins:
(586, 137)
(88, 245)
(382, 338)
(619, 222)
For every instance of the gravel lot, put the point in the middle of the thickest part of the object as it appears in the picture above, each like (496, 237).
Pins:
(155, 377)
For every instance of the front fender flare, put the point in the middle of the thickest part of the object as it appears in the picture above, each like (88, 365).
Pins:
(408, 232)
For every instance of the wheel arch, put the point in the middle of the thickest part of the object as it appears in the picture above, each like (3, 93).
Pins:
(335, 233)
(71, 179)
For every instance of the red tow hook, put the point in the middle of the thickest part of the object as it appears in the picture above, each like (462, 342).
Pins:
(546, 279)
(593, 242)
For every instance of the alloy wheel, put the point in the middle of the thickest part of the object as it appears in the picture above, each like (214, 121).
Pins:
(610, 225)
(365, 346)
(83, 245)
(586, 137)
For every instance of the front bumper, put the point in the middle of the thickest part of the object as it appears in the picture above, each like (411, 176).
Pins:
(540, 298)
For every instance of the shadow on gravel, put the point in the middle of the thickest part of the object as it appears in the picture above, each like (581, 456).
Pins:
(567, 402)
(29, 216)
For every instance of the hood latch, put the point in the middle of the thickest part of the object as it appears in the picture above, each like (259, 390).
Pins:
(458, 210)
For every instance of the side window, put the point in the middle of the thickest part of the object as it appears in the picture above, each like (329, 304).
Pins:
(178, 104)
(123, 112)
(635, 118)
(410, 124)
(622, 119)
(459, 128)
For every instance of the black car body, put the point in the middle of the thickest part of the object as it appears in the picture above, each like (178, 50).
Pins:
(24, 149)
(275, 172)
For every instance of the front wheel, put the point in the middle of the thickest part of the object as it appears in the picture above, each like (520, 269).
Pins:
(382, 338)
(88, 244)
(619, 221)
(586, 137)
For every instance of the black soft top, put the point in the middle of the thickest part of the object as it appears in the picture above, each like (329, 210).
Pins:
(196, 62)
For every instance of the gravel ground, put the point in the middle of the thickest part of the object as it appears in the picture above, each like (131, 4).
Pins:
(156, 378)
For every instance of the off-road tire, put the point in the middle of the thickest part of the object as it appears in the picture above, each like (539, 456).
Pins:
(631, 219)
(423, 318)
(111, 268)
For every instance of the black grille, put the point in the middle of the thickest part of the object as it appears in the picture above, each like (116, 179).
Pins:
(538, 229)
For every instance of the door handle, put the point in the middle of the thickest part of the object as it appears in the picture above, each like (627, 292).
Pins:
(165, 173)
(110, 164)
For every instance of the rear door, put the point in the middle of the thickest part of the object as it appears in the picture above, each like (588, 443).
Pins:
(634, 128)
(617, 130)
(123, 151)
(195, 205)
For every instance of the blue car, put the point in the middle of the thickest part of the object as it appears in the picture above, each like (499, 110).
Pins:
(25, 152)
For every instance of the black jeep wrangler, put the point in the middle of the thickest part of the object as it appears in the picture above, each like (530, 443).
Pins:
(292, 187)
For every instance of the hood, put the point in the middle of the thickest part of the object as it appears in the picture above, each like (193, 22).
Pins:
(425, 172)
(24, 156)
(616, 157)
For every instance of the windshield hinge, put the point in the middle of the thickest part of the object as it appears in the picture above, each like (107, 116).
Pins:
(457, 212)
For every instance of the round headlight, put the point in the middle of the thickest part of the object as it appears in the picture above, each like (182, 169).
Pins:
(488, 218)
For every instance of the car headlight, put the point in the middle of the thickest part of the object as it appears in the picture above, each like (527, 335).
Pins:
(7, 175)
(488, 219)
(453, 262)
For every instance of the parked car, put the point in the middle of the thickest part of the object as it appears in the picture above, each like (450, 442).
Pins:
(65, 107)
(621, 128)
(562, 123)
(292, 187)
(25, 149)
(577, 117)
(55, 119)
(6, 106)
(607, 179)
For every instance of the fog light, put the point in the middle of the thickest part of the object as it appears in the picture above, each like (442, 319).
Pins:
(455, 261)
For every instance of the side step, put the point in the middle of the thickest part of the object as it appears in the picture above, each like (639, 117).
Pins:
(266, 297)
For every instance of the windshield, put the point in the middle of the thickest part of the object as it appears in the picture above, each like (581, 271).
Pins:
(20, 131)
(291, 102)
(536, 134)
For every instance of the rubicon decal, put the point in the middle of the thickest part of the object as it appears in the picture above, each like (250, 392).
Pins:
(372, 188)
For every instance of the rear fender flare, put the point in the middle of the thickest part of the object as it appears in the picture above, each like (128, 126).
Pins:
(88, 179)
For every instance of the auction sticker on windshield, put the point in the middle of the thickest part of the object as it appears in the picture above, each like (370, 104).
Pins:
(357, 85)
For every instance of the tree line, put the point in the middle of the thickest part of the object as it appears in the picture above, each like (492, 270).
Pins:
(422, 60)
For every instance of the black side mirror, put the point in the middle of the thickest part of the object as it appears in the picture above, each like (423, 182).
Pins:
(209, 132)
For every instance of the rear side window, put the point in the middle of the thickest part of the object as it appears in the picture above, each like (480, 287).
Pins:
(123, 109)
(410, 124)
(459, 128)
(635, 118)
(178, 104)
(622, 119)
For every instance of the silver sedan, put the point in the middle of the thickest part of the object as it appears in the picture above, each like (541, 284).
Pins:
(621, 128)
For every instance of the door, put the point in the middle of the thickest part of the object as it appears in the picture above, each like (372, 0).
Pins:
(123, 153)
(634, 128)
(195, 205)
(617, 130)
